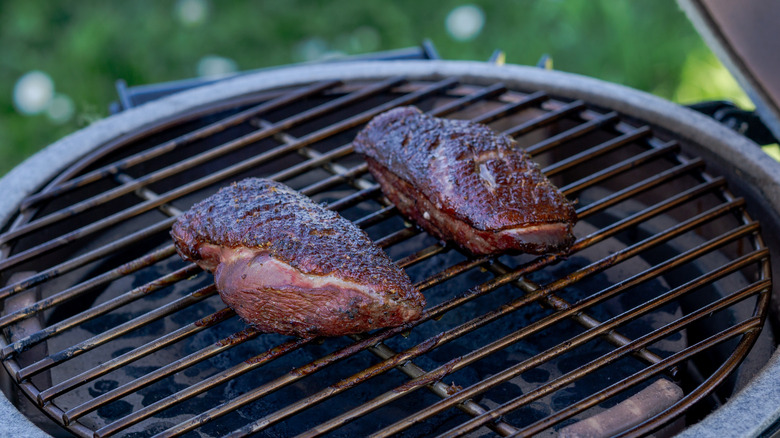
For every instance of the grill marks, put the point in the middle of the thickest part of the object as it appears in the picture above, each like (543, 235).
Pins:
(604, 166)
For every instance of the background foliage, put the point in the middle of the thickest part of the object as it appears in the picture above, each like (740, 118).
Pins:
(85, 46)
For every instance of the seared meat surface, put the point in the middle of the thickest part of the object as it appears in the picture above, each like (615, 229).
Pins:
(461, 182)
(290, 266)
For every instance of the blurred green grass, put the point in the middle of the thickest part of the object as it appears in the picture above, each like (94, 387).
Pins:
(86, 46)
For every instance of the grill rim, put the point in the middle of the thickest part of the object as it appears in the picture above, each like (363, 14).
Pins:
(741, 156)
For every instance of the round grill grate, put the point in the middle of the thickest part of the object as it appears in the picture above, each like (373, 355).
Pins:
(662, 297)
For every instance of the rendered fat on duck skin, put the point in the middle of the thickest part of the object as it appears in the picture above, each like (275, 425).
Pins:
(287, 265)
(461, 182)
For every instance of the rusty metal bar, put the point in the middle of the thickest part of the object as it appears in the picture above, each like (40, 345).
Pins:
(511, 107)
(146, 194)
(89, 344)
(204, 353)
(626, 165)
(413, 371)
(596, 151)
(94, 311)
(610, 357)
(135, 354)
(182, 140)
(376, 217)
(546, 118)
(333, 180)
(653, 210)
(542, 324)
(201, 158)
(573, 133)
(76, 290)
(355, 198)
(224, 173)
(460, 103)
(83, 259)
(641, 186)
(559, 304)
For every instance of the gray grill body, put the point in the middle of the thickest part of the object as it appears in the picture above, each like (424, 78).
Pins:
(751, 174)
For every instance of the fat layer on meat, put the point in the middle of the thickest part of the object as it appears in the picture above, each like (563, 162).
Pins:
(461, 182)
(288, 265)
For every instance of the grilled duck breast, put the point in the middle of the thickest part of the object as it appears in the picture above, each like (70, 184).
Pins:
(290, 266)
(463, 183)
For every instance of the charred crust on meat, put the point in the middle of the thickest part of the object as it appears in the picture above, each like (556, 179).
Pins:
(288, 265)
(462, 182)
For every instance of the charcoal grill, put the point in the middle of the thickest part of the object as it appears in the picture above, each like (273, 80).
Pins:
(654, 319)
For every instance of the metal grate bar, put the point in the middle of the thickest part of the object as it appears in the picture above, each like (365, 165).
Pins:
(83, 259)
(89, 344)
(254, 362)
(222, 174)
(620, 167)
(477, 354)
(176, 143)
(641, 342)
(512, 107)
(647, 213)
(94, 311)
(80, 288)
(559, 304)
(135, 354)
(642, 186)
(413, 371)
(463, 102)
(147, 260)
(333, 180)
(146, 194)
(546, 118)
(746, 328)
(201, 158)
(573, 133)
(596, 151)
(162, 372)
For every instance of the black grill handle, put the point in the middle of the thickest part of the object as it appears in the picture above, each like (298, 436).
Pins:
(747, 123)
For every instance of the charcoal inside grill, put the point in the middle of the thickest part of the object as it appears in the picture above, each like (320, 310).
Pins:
(152, 349)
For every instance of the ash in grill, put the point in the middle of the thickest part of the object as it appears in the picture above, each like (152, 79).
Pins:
(663, 294)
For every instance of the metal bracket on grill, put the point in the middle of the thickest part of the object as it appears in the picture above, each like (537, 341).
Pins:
(747, 123)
